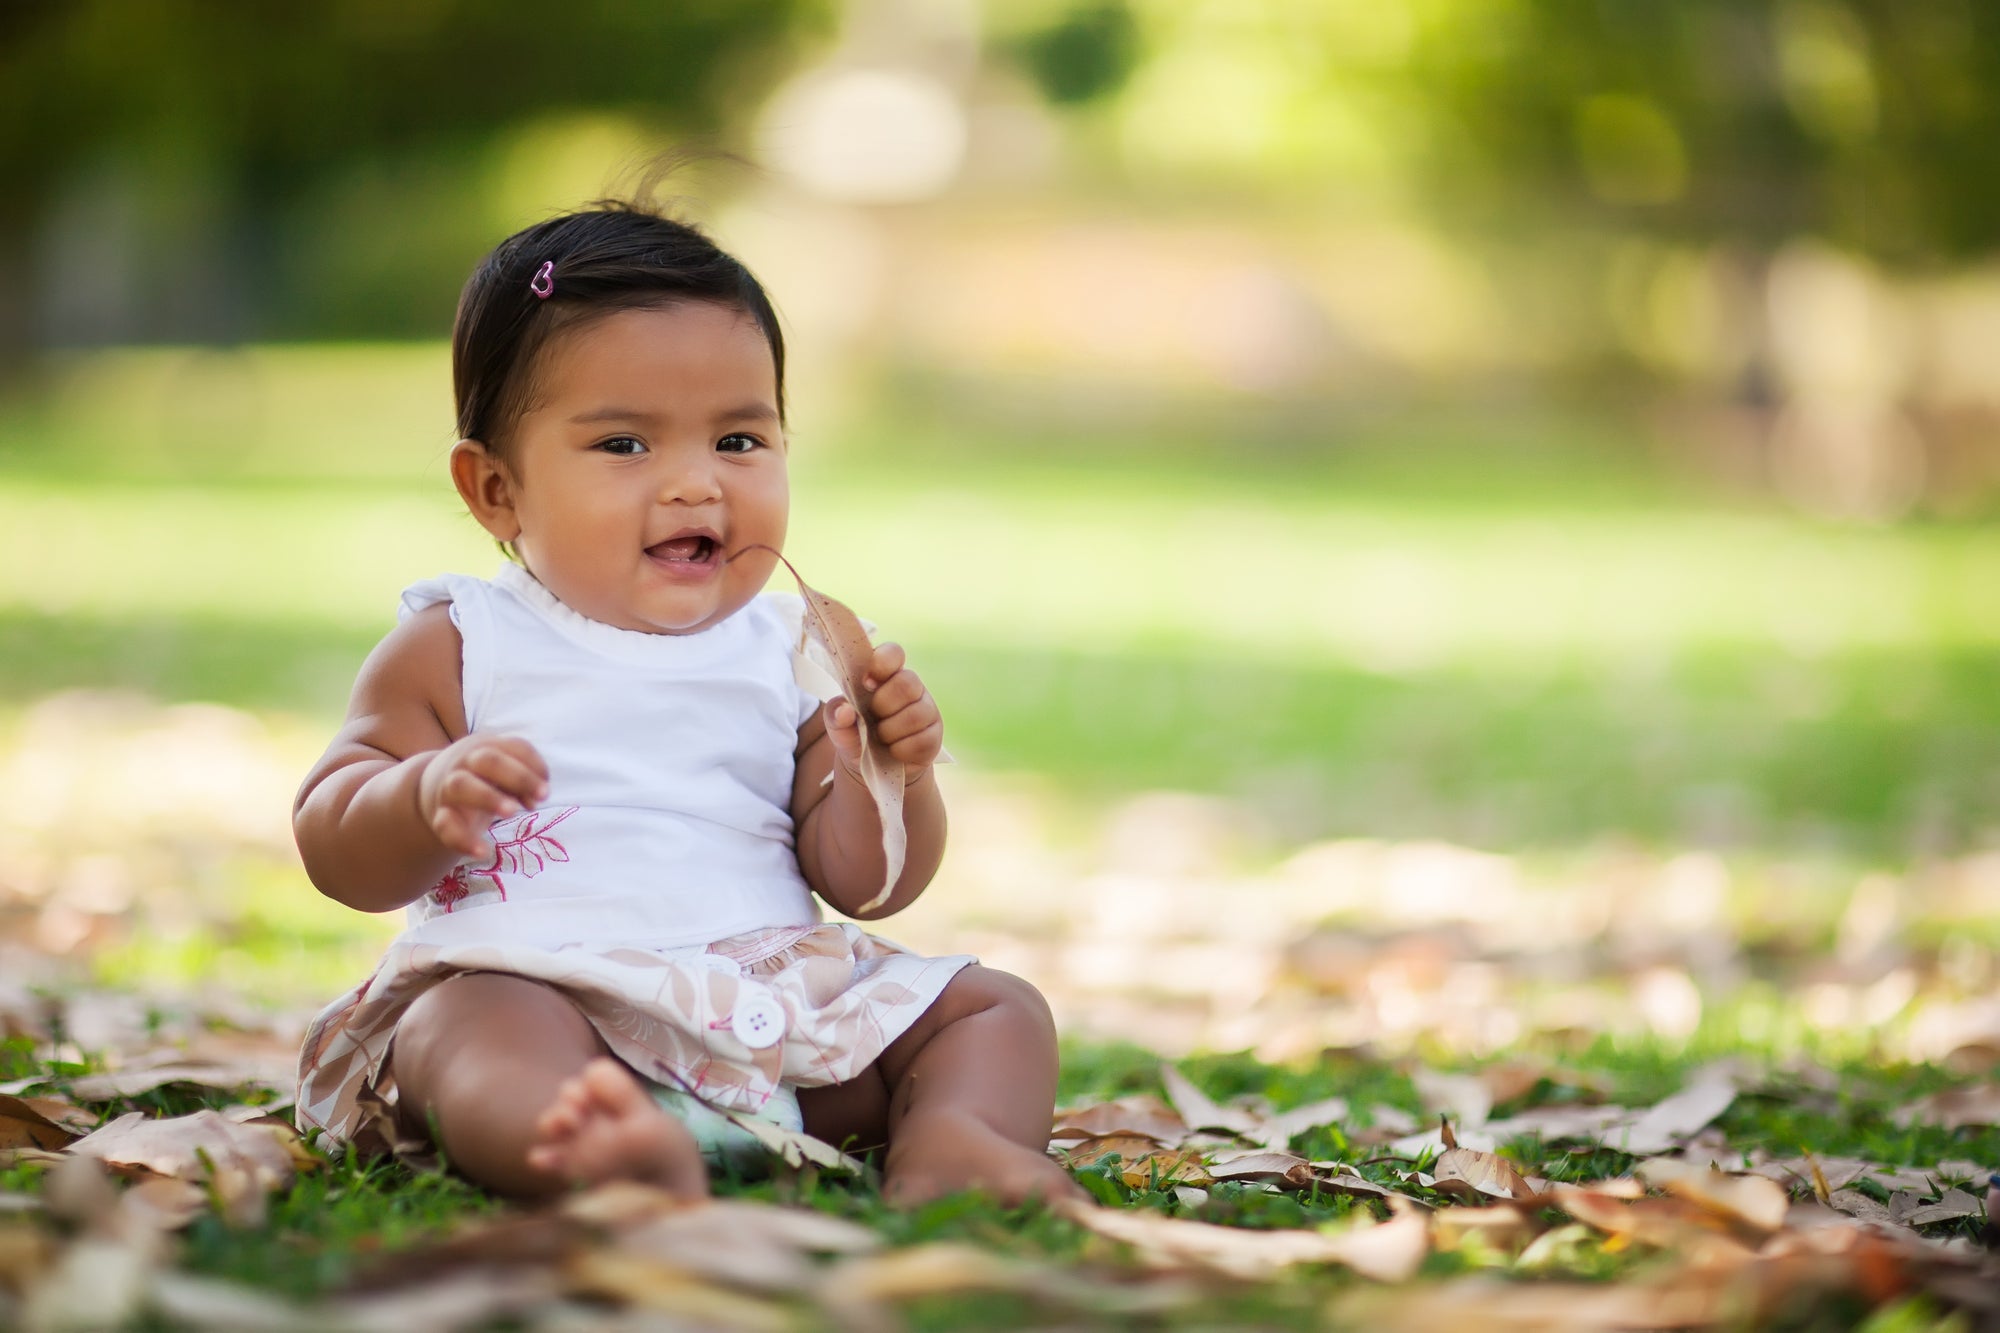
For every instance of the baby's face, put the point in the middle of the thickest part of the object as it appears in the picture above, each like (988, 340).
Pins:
(653, 453)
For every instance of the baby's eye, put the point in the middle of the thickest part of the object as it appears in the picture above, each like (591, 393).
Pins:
(738, 444)
(623, 445)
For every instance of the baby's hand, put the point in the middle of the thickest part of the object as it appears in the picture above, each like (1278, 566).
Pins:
(473, 782)
(901, 711)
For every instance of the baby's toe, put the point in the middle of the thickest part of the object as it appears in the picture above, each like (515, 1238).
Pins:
(613, 1088)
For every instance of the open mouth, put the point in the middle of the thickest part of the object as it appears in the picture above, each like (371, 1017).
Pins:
(695, 549)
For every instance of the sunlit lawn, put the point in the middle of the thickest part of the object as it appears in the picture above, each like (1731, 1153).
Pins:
(1362, 633)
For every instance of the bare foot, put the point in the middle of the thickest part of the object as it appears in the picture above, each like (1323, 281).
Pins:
(602, 1126)
(945, 1151)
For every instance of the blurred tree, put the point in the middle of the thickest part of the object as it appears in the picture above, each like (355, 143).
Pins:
(1080, 54)
(232, 114)
(1868, 123)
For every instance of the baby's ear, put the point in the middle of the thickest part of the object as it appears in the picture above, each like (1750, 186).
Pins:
(487, 487)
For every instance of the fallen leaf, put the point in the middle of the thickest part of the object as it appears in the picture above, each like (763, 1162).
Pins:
(1680, 1116)
(1140, 1114)
(939, 1268)
(135, 1082)
(1274, 1168)
(1954, 1108)
(239, 1164)
(1197, 1111)
(1752, 1201)
(634, 1279)
(1953, 1205)
(1176, 1243)
(1278, 1131)
(1668, 1224)
(162, 1203)
(1142, 1163)
(1468, 1174)
(25, 1124)
(838, 630)
(1855, 1204)
(1503, 1227)
(1465, 1098)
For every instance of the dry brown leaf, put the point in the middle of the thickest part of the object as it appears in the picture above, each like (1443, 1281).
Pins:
(1464, 1098)
(1282, 1169)
(1680, 1116)
(1468, 1174)
(162, 1203)
(939, 1268)
(1855, 1204)
(1502, 1227)
(1535, 1307)
(1176, 1244)
(1141, 1162)
(838, 630)
(1139, 1114)
(1750, 1201)
(1953, 1205)
(215, 1306)
(1668, 1224)
(240, 1164)
(1390, 1251)
(1197, 1111)
(1954, 1108)
(98, 1281)
(213, 1061)
(1278, 1131)
(25, 1124)
(635, 1279)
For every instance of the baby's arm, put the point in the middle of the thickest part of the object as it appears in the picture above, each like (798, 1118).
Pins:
(838, 830)
(403, 791)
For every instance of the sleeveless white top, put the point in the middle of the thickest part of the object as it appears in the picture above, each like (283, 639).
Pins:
(670, 760)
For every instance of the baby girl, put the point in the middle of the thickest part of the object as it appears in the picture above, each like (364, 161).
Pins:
(609, 806)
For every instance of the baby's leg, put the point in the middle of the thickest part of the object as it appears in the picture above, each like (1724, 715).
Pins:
(523, 1097)
(972, 1090)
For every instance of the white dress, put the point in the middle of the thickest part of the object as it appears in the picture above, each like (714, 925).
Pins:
(657, 887)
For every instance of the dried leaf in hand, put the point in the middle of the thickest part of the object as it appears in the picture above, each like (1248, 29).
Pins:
(839, 631)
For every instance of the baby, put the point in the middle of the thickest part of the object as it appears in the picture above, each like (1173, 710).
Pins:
(606, 802)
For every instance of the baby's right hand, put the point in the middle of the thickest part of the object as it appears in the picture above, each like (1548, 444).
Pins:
(476, 780)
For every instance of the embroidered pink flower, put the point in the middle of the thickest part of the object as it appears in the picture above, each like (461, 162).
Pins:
(521, 846)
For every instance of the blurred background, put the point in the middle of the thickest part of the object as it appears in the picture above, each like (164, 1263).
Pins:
(1415, 510)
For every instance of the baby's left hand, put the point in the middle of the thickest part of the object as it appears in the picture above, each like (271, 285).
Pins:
(900, 710)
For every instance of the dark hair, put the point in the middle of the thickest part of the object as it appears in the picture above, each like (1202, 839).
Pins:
(608, 257)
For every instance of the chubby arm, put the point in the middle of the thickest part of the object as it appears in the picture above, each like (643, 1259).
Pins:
(839, 833)
(403, 791)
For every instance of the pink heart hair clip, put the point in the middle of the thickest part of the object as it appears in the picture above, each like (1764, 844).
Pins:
(543, 284)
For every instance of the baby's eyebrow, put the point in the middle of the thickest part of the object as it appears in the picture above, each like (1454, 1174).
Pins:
(743, 412)
(596, 415)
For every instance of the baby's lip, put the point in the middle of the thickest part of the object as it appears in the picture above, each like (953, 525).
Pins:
(713, 538)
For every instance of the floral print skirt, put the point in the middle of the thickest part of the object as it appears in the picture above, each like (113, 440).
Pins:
(728, 1024)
